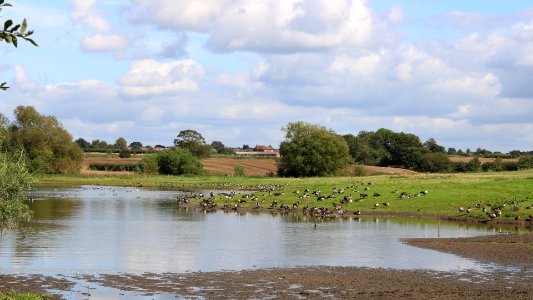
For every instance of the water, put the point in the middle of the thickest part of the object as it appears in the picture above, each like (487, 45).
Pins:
(91, 230)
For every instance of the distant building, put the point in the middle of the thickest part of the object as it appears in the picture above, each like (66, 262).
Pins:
(261, 148)
(258, 150)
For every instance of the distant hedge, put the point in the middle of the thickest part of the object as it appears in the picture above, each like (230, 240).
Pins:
(114, 167)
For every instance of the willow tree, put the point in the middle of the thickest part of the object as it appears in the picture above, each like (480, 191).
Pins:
(48, 146)
(312, 150)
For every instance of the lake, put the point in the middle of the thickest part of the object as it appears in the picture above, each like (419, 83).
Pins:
(91, 229)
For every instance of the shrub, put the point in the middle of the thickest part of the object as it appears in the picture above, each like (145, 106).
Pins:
(458, 166)
(510, 166)
(525, 162)
(177, 161)
(434, 162)
(114, 167)
(474, 165)
(149, 164)
(124, 153)
(14, 183)
(359, 170)
(238, 171)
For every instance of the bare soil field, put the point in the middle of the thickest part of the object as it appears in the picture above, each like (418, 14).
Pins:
(252, 167)
(458, 158)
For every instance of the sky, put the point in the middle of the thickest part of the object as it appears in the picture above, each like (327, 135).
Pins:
(238, 71)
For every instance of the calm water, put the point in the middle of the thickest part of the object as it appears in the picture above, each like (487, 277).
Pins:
(113, 229)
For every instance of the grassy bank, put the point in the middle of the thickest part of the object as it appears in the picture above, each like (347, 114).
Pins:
(511, 192)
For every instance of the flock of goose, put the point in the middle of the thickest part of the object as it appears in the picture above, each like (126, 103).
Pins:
(330, 209)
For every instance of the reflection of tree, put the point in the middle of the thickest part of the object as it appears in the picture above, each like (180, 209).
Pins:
(29, 239)
(54, 209)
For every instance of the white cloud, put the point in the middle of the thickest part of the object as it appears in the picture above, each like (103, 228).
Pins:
(104, 43)
(22, 81)
(103, 37)
(84, 11)
(266, 26)
(151, 78)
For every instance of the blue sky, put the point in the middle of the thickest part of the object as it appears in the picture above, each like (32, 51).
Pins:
(238, 71)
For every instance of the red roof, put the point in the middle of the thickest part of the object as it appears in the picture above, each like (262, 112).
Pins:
(261, 148)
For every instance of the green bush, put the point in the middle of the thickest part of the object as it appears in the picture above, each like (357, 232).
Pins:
(434, 162)
(177, 161)
(510, 166)
(238, 171)
(15, 180)
(359, 170)
(525, 162)
(474, 165)
(124, 153)
(149, 164)
(113, 167)
(495, 166)
(458, 166)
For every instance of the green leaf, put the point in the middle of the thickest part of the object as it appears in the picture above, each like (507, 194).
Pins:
(15, 42)
(7, 24)
(15, 28)
(24, 26)
(29, 33)
(31, 41)
(1, 1)
(8, 39)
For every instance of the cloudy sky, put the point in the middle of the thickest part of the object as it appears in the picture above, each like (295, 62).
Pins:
(239, 70)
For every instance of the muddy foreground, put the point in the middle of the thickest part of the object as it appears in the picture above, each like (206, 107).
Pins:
(512, 278)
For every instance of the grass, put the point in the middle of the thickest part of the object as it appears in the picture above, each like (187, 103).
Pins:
(446, 192)
(22, 296)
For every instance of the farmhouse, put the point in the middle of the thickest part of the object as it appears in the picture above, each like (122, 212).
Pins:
(259, 150)
(264, 149)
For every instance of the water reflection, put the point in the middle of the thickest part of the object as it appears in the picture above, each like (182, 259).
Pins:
(108, 230)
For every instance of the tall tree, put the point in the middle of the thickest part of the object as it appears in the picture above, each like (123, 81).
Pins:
(193, 141)
(432, 146)
(48, 146)
(217, 145)
(121, 143)
(82, 143)
(311, 150)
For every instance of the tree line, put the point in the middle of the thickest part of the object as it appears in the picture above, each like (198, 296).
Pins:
(313, 150)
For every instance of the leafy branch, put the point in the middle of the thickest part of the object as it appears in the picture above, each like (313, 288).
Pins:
(11, 33)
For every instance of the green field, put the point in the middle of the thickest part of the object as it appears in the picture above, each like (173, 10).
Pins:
(511, 192)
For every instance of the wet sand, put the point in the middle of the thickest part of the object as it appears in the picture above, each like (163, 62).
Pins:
(337, 282)
(508, 249)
